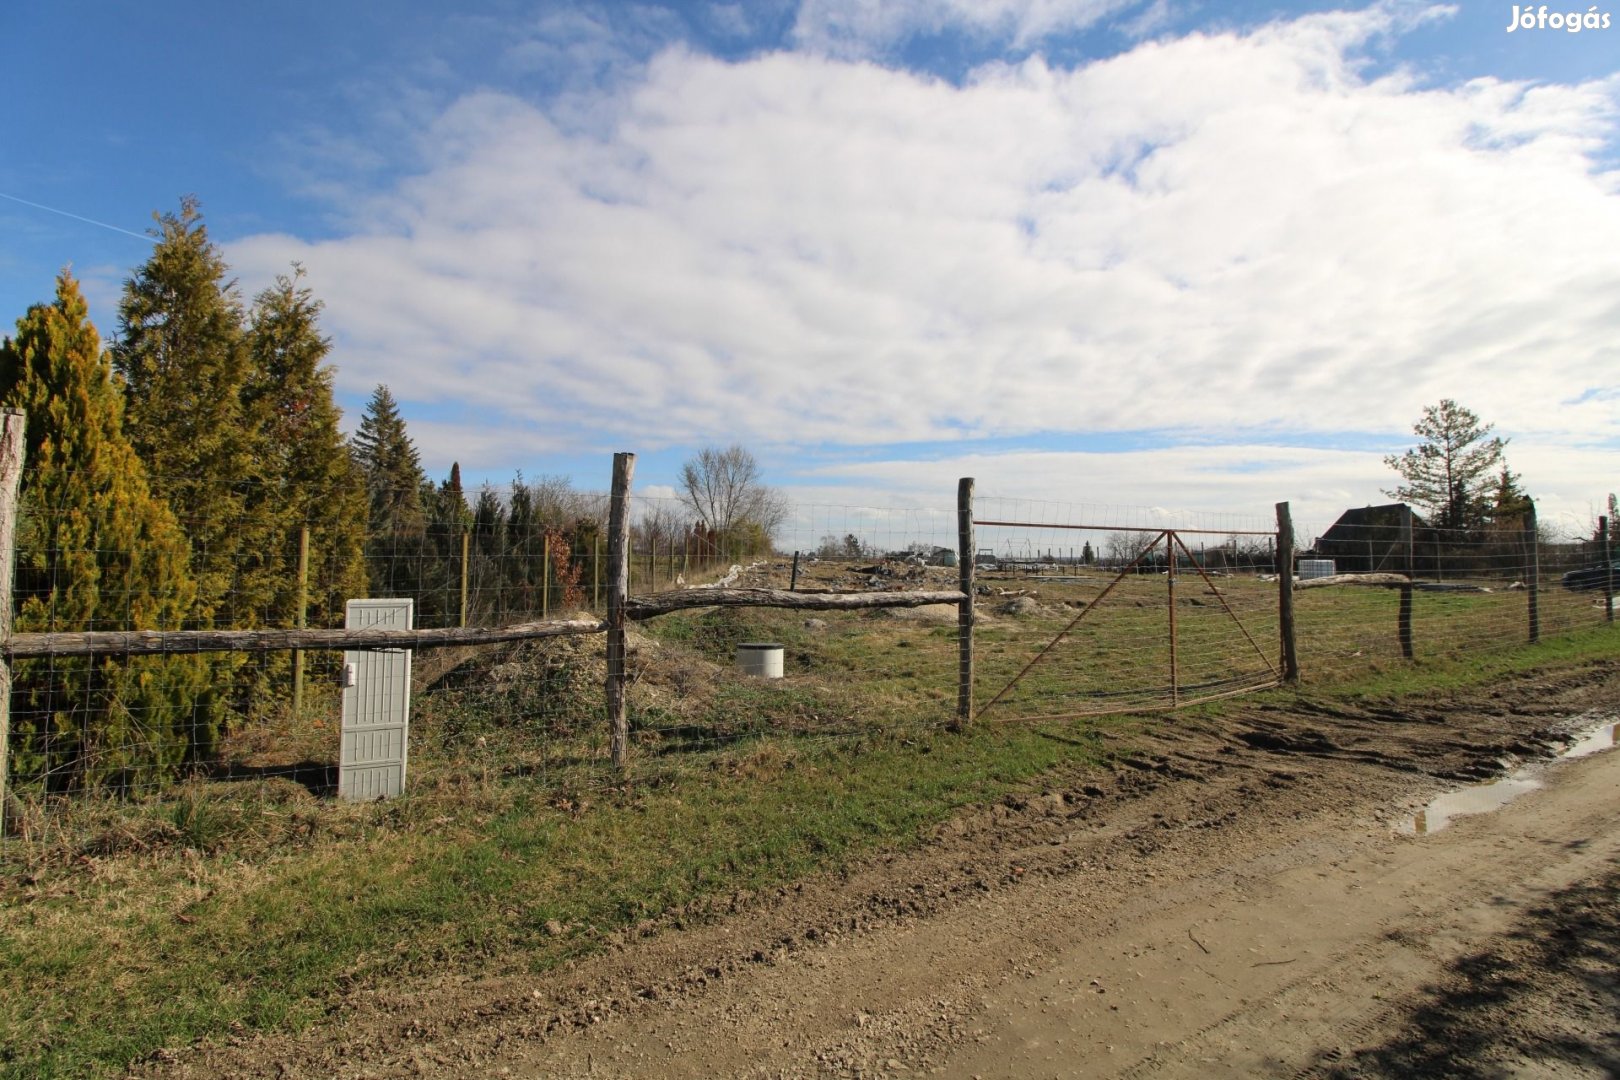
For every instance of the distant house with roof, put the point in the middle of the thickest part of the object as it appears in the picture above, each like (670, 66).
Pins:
(1380, 539)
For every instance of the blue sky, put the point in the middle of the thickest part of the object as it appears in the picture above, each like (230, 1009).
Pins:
(1116, 252)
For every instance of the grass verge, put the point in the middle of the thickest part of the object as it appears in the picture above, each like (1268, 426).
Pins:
(210, 912)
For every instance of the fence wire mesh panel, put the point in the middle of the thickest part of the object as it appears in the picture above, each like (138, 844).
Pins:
(1078, 612)
(252, 734)
(1086, 610)
(845, 673)
(131, 725)
(1378, 587)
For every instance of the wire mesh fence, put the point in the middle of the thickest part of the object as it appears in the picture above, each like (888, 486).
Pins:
(1079, 610)
(1095, 609)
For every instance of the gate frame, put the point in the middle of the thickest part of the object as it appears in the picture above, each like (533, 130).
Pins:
(1171, 539)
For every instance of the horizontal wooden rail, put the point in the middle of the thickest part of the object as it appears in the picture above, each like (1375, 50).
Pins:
(181, 642)
(177, 642)
(647, 607)
(1387, 581)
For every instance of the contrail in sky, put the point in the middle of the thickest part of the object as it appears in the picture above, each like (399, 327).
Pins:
(76, 217)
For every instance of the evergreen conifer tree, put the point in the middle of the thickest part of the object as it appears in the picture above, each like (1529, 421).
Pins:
(183, 356)
(308, 469)
(96, 551)
(1447, 473)
(398, 547)
(391, 466)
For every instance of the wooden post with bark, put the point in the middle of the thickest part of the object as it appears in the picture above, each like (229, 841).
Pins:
(1605, 550)
(964, 610)
(300, 620)
(624, 467)
(466, 544)
(1404, 623)
(13, 428)
(1285, 594)
(1533, 574)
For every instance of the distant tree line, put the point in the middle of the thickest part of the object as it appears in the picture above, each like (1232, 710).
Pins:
(170, 475)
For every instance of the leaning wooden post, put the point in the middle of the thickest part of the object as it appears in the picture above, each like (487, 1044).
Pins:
(793, 582)
(300, 620)
(1533, 585)
(964, 609)
(13, 426)
(1285, 594)
(624, 467)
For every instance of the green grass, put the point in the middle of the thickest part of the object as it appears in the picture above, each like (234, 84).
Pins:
(110, 959)
(217, 908)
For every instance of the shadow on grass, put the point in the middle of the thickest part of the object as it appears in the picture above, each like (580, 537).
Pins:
(1548, 998)
(320, 778)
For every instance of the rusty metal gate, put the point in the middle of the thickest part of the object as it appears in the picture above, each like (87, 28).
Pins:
(1189, 644)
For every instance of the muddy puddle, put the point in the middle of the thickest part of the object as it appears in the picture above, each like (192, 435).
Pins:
(1593, 734)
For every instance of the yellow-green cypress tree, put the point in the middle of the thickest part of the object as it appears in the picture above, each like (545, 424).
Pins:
(96, 551)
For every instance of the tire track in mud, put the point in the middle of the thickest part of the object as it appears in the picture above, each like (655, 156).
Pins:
(1449, 894)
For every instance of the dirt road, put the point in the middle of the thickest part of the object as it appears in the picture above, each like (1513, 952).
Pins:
(1247, 898)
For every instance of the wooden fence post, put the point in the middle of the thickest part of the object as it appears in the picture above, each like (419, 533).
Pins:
(1403, 628)
(624, 467)
(13, 427)
(545, 575)
(1533, 586)
(964, 610)
(466, 544)
(1607, 552)
(300, 620)
(1285, 594)
(1404, 619)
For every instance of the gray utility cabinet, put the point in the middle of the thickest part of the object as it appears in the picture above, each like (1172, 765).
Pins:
(376, 705)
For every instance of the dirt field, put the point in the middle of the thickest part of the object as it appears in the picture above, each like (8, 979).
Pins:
(1245, 897)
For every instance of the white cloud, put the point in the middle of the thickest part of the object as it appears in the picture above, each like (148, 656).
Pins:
(1211, 234)
(1221, 488)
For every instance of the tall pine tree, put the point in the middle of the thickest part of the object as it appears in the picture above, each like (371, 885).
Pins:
(97, 551)
(392, 468)
(398, 545)
(287, 398)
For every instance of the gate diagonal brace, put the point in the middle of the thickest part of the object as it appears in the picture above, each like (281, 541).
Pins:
(1087, 610)
(1170, 537)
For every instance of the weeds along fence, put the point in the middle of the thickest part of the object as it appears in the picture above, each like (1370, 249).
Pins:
(570, 634)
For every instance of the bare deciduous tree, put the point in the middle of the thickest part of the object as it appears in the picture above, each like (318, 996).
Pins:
(724, 491)
(1119, 548)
